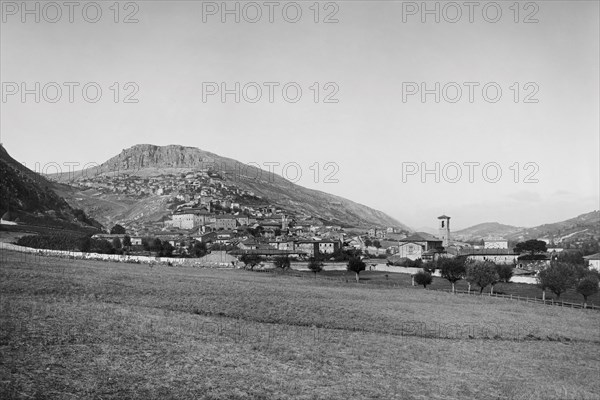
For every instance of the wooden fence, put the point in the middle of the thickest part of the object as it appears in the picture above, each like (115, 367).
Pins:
(550, 302)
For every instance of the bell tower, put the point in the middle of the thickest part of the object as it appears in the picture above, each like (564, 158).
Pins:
(444, 229)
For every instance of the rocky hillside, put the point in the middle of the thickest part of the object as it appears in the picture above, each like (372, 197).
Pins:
(147, 160)
(31, 198)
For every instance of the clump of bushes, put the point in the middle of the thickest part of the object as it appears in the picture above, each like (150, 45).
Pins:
(69, 242)
(57, 241)
(423, 278)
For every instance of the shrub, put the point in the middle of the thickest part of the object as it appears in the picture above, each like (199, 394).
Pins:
(55, 241)
(250, 260)
(282, 262)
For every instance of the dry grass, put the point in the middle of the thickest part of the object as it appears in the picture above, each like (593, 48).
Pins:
(107, 330)
(516, 289)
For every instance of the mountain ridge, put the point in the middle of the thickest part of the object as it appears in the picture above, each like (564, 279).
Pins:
(583, 226)
(148, 160)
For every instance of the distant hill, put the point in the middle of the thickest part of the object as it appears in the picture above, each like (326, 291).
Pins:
(147, 161)
(486, 229)
(31, 199)
(581, 228)
(427, 229)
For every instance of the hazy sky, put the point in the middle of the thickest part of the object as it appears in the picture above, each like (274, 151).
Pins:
(370, 61)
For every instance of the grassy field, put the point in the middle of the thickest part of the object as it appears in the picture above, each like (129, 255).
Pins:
(516, 289)
(83, 329)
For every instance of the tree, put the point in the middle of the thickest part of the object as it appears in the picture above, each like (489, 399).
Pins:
(282, 262)
(315, 266)
(558, 277)
(572, 257)
(482, 274)
(377, 244)
(418, 263)
(532, 246)
(116, 243)
(117, 230)
(102, 246)
(505, 272)
(198, 249)
(126, 241)
(588, 286)
(166, 249)
(355, 264)
(86, 244)
(452, 269)
(251, 260)
(155, 245)
(423, 278)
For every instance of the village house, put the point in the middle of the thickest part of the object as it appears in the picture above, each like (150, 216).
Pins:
(377, 233)
(312, 247)
(416, 245)
(390, 246)
(190, 218)
(226, 221)
(109, 236)
(282, 244)
(224, 237)
(593, 261)
(249, 244)
(208, 237)
(497, 255)
(538, 263)
(495, 243)
(329, 246)
(243, 220)
(309, 247)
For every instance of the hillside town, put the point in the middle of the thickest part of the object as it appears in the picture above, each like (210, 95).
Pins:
(267, 231)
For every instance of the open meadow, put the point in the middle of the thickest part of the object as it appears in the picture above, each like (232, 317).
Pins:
(98, 330)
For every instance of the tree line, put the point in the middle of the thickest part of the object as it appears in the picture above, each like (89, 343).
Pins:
(557, 277)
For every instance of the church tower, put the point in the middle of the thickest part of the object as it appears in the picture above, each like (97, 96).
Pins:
(444, 230)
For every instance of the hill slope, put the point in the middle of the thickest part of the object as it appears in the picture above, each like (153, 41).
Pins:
(583, 227)
(171, 162)
(31, 198)
(486, 229)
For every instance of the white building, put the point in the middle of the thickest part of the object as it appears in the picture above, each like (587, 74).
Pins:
(593, 261)
(495, 244)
